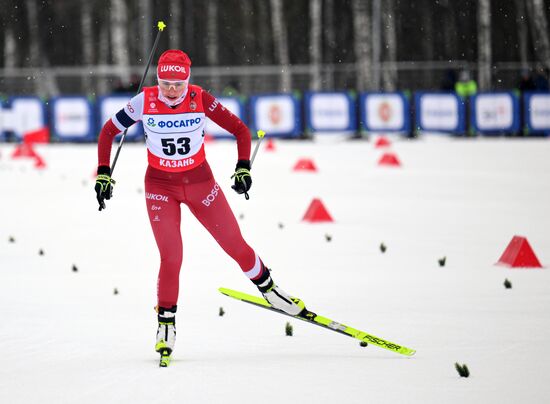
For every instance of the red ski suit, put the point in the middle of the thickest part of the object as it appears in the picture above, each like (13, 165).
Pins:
(179, 173)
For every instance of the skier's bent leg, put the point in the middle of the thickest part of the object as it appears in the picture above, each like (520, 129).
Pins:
(207, 202)
(216, 216)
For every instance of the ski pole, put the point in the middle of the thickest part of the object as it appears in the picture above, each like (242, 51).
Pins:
(160, 25)
(261, 135)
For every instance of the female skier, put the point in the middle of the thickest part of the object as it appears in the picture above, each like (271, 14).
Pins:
(174, 115)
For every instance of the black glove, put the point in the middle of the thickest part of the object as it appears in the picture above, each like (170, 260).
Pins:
(243, 180)
(103, 185)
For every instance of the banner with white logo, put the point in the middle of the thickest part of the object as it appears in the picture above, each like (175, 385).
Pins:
(232, 104)
(439, 112)
(537, 112)
(384, 112)
(26, 114)
(330, 112)
(109, 106)
(2, 118)
(277, 115)
(72, 119)
(495, 112)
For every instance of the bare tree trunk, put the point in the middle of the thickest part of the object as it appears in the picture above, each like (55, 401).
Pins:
(389, 74)
(87, 43)
(376, 42)
(330, 44)
(119, 38)
(103, 85)
(45, 85)
(249, 33)
(212, 48)
(264, 49)
(265, 40)
(484, 44)
(145, 28)
(249, 38)
(176, 22)
(281, 44)
(315, 44)
(361, 25)
(10, 49)
(539, 30)
(189, 27)
(521, 24)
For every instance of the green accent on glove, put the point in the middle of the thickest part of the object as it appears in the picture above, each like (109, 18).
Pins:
(240, 173)
(104, 180)
(103, 188)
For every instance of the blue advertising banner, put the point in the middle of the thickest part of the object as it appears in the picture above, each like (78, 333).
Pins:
(537, 112)
(72, 119)
(439, 112)
(384, 112)
(278, 115)
(330, 112)
(26, 114)
(493, 113)
(3, 117)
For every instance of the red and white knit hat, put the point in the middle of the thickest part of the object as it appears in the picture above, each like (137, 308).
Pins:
(173, 65)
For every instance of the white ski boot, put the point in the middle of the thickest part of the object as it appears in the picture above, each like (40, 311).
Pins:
(166, 331)
(281, 300)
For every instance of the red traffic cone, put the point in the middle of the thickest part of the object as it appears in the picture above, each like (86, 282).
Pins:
(389, 159)
(382, 141)
(41, 135)
(316, 212)
(519, 254)
(270, 145)
(305, 165)
(23, 150)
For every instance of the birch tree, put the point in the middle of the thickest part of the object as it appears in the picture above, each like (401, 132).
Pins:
(144, 7)
(264, 48)
(176, 22)
(189, 28)
(315, 44)
(249, 33)
(103, 51)
(539, 30)
(484, 44)
(361, 25)
(521, 24)
(45, 84)
(376, 42)
(281, 44)
(212, 46)
(330, 43)
(119, 37)
(87, 38)
(389, 74)
(10, 50)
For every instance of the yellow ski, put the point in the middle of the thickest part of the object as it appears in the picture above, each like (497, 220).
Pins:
(312, 318)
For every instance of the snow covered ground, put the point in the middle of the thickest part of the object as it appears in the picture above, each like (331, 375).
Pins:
(66, 337)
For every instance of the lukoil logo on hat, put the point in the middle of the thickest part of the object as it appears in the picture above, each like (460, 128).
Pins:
(173, 64)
